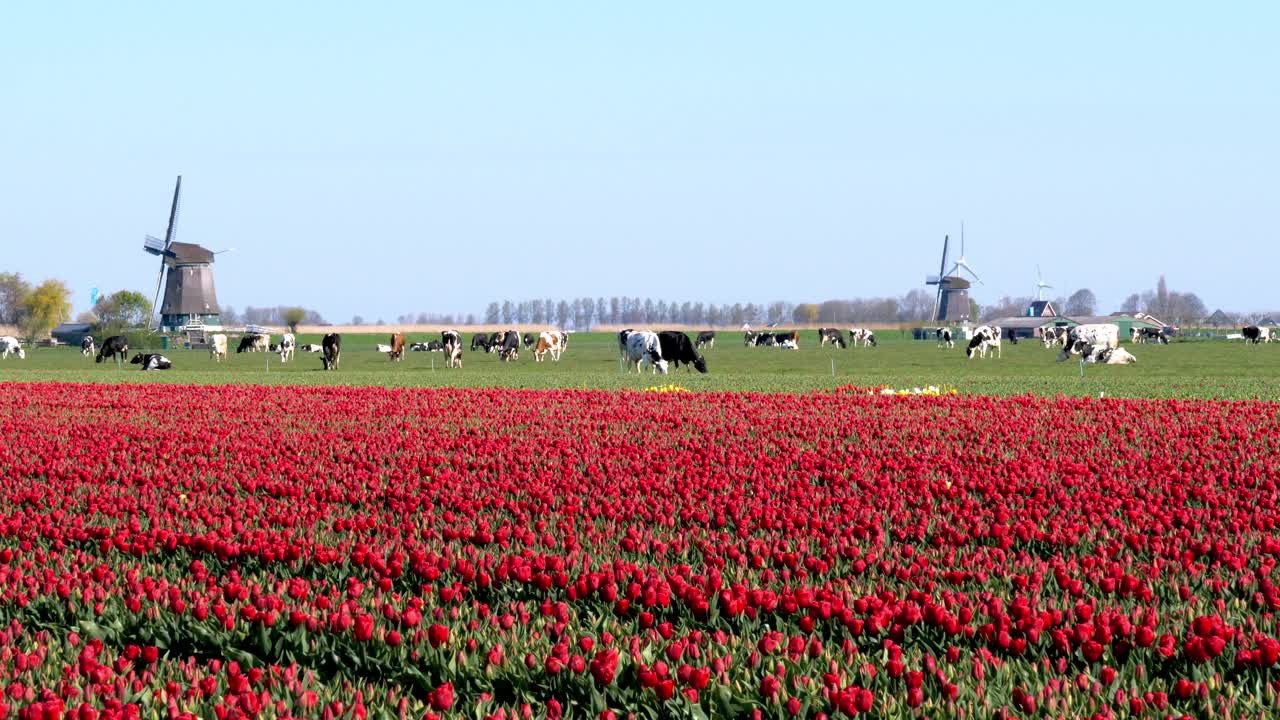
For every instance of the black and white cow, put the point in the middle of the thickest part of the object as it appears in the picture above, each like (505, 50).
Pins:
(510, 347)
(863, 335)
(787, 339)
(287, 345)
(1051, 336)
(643, 347)
(831, 335)
(480, 341)
(1144, 335)
(10, 345)
(311, 348)
(530, 340)
(1082, 337)
(752, 339)
(435, 346)
(254, 343)
(495, 342)
(945, 340)
(1254, 334)
(331, 351)
(452, 342)
(622, 342)
(706, 339)
(677, 349)
(115, 347)
(151, 361)
(985, 337)
(86, 346)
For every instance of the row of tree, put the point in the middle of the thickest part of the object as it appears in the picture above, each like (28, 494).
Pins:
(583, 313)
(914, 306)
(290, 315)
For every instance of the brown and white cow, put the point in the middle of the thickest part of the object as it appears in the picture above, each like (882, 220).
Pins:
(397, 347)
(548, 342)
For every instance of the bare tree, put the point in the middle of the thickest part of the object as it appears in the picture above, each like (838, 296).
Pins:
(1081, 302)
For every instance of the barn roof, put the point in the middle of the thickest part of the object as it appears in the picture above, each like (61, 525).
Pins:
(1120, 319)
(1029, 322)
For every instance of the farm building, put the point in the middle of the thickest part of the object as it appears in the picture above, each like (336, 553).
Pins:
(1030, 327)
(71, 333)
(1042, 308)
(1218, 319)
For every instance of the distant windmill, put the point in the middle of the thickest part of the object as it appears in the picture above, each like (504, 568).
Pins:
(952, 301)
(1041, 285)
(189, 296)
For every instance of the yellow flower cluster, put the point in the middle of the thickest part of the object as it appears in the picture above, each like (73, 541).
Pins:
(666, 389)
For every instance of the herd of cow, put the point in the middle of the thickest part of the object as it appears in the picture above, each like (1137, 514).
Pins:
(658, 351)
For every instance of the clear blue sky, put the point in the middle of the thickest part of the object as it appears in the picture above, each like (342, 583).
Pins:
(385, 158)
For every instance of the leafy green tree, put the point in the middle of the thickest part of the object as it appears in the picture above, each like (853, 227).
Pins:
(293, 316)
(45, 307)
(122, 309)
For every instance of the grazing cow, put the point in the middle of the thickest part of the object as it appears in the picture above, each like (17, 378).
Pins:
(86, 346)
(1054, 336)
(480, 341)
(945, 340)
(151, 361)
(1254, 334)
(830, 335)
(452, 342)
(706, 339)
(751, 339)
(789, 339)
(644, 347)
(510, 347)
(863, 335)
(218, 347)
(397, 347)
(677, 349)
(331, 351)
(311, 348)
(1145, 335)
(254, 343)
(985, 337)
(287, 346)
(622, 342)
(1104, 334)
(548, 342)
(9, 344)
(115, 347)
(530, 340)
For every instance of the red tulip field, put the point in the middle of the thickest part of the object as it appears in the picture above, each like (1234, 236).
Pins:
(245, 551)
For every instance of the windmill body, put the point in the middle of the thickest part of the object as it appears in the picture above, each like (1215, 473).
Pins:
(951, 305)
(187, 270)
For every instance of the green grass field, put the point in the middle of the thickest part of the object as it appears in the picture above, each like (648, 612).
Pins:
(1205, 369)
